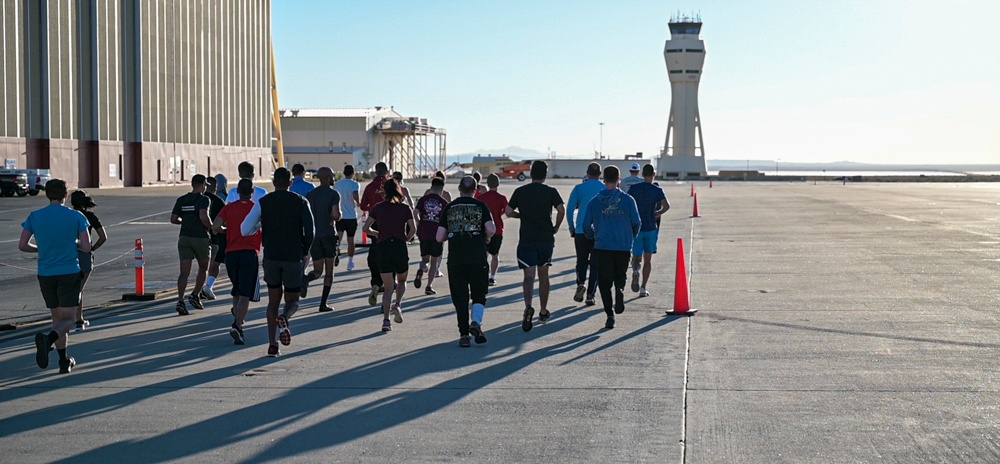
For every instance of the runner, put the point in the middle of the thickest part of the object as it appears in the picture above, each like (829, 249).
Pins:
(631, 180)
(372, 196)
(348, 223)
(325, 204)
(195, 241)
(286, 222)
(246, 171)
(533, 204)
(222, 185)
(444, 193)
(398, 176)
(467, 225)
(652, 203)
(497, 203)
(218, 240)
(242, 255)
(394, 220)
(480, 188)
(612, 220)
(60, 236)
(578, 200)
(428, 214)
(299, 183)
(84, 204)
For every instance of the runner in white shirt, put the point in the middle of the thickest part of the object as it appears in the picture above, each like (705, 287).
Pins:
(349, 200)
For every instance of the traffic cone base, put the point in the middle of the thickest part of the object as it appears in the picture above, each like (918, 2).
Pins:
(682, 293)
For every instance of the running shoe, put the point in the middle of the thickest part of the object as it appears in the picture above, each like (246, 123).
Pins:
(182, 309)
(477, 331)
(464, 341)
(591, 301)
(66, 365)
(273, 351)
(529, 312)
(439, 274)
(416, 280)
(237, 333)
(386, 325)
(195, 302)
(325, 309)
(610, 323)
(643, 292)
(284, 334)
(635, 281)
(42, 347)
(207, 293)
(350, 265)
(619, 301)
(430, 291)
(493, 282)
(81, 325)
(580, 291)
(373, 296)
(397, 313)
(544, 315)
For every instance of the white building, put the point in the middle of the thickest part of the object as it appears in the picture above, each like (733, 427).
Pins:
(362, 137)
(684, 149)
(577, 168)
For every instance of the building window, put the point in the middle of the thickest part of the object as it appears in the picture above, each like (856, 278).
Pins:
(692, 71)
(675, 71)
(675, 50)
(694, 50)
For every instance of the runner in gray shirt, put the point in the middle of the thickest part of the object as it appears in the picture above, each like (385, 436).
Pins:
(325, 204)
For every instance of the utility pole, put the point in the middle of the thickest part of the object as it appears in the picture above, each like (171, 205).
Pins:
(601, 151)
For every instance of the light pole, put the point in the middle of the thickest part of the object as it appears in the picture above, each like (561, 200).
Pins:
(600, 152)
(776, 166)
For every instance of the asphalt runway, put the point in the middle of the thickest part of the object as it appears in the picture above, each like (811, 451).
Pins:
(836, 323)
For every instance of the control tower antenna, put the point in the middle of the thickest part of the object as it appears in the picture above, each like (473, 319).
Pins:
(683, 152)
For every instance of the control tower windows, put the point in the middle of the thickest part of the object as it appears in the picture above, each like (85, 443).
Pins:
(692, 71)
(676, 71)
(675, 50)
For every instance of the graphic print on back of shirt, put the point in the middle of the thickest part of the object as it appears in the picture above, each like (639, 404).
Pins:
(464, 219)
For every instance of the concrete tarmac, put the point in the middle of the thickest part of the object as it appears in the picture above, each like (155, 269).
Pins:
(836, 323)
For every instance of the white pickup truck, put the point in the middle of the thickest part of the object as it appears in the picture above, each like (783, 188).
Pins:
(37, 178)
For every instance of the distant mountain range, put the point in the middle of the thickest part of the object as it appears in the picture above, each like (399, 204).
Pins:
(769, 165)
(520, 153)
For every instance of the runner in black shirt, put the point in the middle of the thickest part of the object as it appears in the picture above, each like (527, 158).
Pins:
(194, 243)
(84, 204)
(325, 203)
(533, 203)
(467, 225)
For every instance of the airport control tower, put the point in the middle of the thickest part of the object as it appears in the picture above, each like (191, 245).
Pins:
(683, 154)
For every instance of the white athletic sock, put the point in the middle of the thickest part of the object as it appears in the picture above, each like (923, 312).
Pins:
(494, 277)
(210, 282)
(477, 313)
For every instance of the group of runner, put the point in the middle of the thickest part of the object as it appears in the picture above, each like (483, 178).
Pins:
(299, 222)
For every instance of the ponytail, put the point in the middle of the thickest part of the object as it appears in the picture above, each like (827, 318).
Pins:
(392, 193)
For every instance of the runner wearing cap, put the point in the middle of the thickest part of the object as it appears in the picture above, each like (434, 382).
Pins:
(195, 241)
(629, 181)
(579, 198)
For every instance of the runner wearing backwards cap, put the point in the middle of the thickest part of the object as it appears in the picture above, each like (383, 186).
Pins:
(629, 181)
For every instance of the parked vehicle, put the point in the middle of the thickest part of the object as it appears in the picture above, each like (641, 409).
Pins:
(13, 184)
(516, 171)
(37, 178)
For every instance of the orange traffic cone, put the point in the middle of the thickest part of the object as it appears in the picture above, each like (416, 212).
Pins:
(692, 190)
(695, 213)
(682, 293)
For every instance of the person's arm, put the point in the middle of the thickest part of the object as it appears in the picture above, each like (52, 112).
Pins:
(102, 238)
(365, 203)
(367, 228)
(491, 230)
(205, 219)
(25, 244)
(560, 215)
(406, 194)
(84, 241)
(411, 229)
(571, 206)
(664, 206)
(511, 213)
(175, 219)
(634, 216)
(219, 226)
(335, 213)
(357, 198)
(251, 223)
(308, 227)
(588, 221)
(442, 234)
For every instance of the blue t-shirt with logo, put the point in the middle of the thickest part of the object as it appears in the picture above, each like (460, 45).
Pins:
(647, 199)
(56, 229)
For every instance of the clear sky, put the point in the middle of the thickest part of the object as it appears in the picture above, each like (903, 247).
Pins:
(905, 81)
